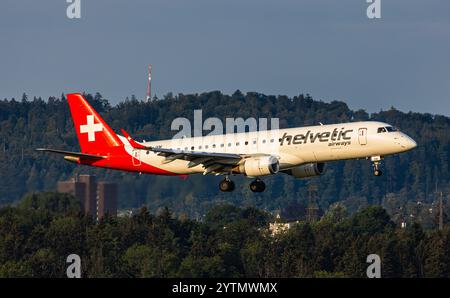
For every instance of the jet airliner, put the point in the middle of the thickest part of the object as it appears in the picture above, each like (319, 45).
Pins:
(300, 152)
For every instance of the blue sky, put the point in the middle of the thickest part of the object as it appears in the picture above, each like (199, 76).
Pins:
(327, 48)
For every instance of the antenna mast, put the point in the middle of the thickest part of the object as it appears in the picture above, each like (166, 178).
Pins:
(149, 85)
(441, 214)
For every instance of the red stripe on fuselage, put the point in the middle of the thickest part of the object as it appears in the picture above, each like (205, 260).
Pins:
(119, 159)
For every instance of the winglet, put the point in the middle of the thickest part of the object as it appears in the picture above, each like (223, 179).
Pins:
(133, 143)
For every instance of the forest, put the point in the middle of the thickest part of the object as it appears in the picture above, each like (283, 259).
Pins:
(38, 234)
(407, 190)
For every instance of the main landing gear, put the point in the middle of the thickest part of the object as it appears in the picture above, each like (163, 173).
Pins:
(226, 185)
(257, 185)
(376, 165)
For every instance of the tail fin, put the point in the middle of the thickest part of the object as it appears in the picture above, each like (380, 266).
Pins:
(94, 135)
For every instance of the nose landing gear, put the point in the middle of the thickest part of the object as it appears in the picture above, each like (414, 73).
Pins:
(257, 186)
(376, 165)
(377, 172)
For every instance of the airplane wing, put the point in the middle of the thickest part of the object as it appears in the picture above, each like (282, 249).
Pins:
(70, 153)
(216, 163)
(171, 152)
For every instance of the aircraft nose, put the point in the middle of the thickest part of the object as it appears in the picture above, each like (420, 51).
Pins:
(405, 142)
(410, 143)
(413, 144)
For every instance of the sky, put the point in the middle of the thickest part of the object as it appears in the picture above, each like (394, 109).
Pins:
(327, 48)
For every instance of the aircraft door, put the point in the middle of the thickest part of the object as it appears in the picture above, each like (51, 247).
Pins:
(362, 136)
(136, 157)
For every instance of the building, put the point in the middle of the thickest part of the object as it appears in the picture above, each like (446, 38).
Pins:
(97, 199)
(73, 187)
(279, 227)
(89, 203)
(106, 199)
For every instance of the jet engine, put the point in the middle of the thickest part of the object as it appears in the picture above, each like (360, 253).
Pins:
(258, 166)
(307, 170)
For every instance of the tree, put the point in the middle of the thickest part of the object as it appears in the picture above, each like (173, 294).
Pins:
(15, 269)
(254, 258)
(336, 214)
(147, 261)
(45, 264)
(297, 257)
(371, 220)
(437, 262)
(202, 267)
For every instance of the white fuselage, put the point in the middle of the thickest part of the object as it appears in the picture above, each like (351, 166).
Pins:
(292, 146)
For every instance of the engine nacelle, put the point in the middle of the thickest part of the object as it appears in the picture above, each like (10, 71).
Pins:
(307, 170)
(258, 166)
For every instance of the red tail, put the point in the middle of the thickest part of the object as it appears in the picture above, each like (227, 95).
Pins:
(94, 135)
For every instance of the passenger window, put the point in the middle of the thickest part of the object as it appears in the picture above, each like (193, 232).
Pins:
(271, 140)
(192, 148)
(237, 144)
(214, 145)
(206, 147)
(222, 145)
(246, 142)
(199, 147)
(264, 141)
(229, 144)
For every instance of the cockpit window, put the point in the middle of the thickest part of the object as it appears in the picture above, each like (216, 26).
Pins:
(391, 128)
(386, 129)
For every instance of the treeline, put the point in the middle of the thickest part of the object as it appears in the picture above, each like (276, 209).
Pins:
(408, 178)
(38, 234)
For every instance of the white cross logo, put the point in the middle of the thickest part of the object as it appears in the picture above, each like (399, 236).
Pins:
(91, 128)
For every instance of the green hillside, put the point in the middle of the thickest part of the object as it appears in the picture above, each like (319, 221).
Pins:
(408, 178)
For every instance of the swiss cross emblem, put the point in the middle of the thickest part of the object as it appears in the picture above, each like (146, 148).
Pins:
(91, 128)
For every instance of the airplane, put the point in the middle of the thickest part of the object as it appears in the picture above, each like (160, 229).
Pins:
(300, 152)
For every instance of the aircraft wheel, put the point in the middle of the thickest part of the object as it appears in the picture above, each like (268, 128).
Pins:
(257, 186)
(226, 185)
(377, 172)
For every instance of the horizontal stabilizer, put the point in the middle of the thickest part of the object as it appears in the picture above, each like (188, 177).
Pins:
(69, 153)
